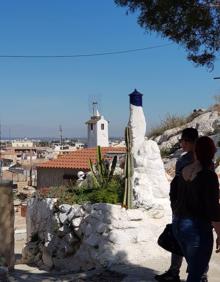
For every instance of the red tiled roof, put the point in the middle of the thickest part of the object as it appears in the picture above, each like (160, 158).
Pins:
(80, 159)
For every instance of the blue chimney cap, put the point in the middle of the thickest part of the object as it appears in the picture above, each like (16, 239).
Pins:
(136, 98)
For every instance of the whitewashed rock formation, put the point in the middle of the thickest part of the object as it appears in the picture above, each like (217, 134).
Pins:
(84, 237)
(206, 123)
(149, 181)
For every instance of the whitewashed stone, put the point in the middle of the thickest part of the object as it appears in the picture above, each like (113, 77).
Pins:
(101, 228)
(118, 237)
(87, 207)
(131, 238)
(93, 240)
(77, 221)
(97, 214)
(47, 259)
(88, 230)
(137, 124)
(70, 214)
(79, 212)
(135, 214)
(70, 238)
(63, 217)
(61, 231)
(65, 208)
(40, 218)
(102, 206)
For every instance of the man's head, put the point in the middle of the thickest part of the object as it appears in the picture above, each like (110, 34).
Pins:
(188, 139)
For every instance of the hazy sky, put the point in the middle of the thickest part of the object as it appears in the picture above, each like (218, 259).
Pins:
(38, 95)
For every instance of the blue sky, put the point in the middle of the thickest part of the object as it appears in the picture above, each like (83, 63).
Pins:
(38, 95)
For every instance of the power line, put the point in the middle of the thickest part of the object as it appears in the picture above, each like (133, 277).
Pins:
(84, 55)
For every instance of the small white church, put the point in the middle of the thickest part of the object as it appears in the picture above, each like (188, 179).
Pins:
(97, 129)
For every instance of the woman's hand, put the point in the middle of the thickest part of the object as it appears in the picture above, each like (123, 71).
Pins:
(217, 244)
(216, 225)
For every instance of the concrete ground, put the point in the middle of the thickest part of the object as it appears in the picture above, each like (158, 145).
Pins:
(118, 273)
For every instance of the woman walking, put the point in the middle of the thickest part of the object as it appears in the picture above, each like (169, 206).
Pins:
(196, 209)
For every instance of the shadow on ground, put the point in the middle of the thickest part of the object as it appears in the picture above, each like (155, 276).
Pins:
(117, 273)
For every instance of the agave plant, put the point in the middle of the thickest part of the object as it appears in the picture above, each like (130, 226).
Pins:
(128, 170)
(102, 171)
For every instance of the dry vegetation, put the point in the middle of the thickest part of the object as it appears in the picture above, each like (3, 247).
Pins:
(172, 120)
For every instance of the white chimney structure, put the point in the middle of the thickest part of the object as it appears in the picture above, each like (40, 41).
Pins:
(137, 120)
(97, 130)
(150, 184)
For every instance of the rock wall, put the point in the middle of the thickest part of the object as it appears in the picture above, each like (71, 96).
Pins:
(89, 236)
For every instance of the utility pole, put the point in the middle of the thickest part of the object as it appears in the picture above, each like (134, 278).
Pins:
(61, 135)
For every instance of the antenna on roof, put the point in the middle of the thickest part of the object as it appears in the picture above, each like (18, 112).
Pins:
(61, 135)
(93, 101)
(94, 108)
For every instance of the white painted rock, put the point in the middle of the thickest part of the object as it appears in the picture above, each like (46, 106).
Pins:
(119, 236)
(149, 179)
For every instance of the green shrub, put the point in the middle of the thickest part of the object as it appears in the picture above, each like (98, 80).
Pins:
(62, 193)
(111, 193)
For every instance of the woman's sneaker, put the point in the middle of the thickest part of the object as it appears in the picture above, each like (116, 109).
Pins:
(167, 276)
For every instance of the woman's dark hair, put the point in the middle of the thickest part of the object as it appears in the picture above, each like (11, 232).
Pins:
(205, 150)
(190, 134)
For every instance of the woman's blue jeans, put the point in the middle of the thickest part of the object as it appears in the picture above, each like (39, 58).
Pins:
(196, 240)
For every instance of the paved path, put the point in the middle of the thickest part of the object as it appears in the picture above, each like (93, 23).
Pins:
(119, 273)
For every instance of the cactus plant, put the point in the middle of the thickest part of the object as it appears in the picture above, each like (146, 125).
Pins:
(101, 171)
(128, 170)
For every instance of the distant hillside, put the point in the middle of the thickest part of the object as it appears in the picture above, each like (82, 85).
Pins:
(167, 135)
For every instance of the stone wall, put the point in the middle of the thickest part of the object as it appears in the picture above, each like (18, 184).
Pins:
(83, 237)
(6, 225)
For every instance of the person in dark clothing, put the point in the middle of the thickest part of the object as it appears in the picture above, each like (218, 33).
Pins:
(187, 142)
(195, 205)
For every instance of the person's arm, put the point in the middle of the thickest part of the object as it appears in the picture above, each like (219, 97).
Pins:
(173, 191)
(216, 225)
(212, 205)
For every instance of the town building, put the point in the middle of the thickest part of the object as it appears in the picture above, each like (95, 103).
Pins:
(65, 168)
(22, 144)
(60, 171)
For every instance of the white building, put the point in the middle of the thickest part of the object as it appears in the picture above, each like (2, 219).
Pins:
(97, 131)
(22, 144)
